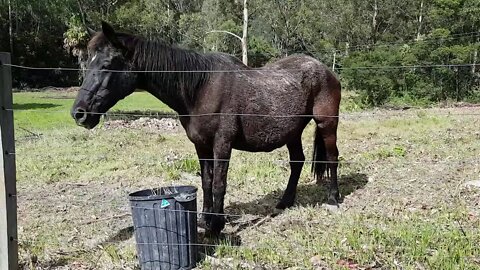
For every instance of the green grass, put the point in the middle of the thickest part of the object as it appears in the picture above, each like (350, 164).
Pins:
(434, 242)
(39, 111)
(405, 204)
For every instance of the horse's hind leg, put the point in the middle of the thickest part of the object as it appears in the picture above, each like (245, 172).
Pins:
(297, 159)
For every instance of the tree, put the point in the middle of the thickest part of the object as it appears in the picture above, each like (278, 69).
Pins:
(243, 39)
(10, 26)
(340, 33)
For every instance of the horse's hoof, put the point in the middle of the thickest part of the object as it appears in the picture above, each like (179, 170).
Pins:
(333, 199)
(320, 180)
(276, 212)
(282, 205)
(217, 224)
(332, 208)
(202, 223)
(205, 220)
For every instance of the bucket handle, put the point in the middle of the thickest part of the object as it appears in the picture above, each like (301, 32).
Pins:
(185, 197)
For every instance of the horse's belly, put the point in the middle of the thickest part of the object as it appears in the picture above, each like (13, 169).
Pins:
(257, 147)
(256, 137)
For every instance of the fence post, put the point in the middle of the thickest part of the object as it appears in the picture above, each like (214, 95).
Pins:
(8, 192)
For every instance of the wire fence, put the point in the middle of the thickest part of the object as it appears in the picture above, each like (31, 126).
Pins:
(170, 161)
(402, 114)
(247, 70)
(257, 219)
(411, 42)
(274, 161)
(175, 115)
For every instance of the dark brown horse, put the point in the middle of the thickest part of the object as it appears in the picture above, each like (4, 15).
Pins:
(223, 105)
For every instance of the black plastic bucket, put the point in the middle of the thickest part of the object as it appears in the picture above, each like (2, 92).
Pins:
(165, 223)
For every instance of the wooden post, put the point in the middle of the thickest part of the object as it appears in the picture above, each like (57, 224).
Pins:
(8, 192)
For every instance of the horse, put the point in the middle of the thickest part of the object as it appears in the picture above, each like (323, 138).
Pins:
(222, 105)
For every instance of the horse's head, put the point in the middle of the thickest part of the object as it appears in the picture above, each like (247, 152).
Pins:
(108, 79)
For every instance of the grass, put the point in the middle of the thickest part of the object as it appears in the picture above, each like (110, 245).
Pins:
(369, 241)
(47, 110)
(51, 109)
(405, 203)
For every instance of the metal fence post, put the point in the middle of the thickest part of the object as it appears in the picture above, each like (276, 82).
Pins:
(8, 192)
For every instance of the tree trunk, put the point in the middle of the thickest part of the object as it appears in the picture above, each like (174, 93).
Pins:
(17, 21)
(475, 57)
(374, 22)
(10, 26)
(420, 21)
(244, 36)
(475, 77)
(334, 60)
(82, 13)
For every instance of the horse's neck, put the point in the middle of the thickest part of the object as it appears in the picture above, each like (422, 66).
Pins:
(175, 89)
(173, 98)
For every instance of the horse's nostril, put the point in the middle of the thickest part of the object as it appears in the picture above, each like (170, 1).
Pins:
(80, 115)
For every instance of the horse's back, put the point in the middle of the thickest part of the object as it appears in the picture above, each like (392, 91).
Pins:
(294, 61)
(313, 75)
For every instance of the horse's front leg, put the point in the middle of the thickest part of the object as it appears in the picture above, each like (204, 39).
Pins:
(205, 157)
(222, 152)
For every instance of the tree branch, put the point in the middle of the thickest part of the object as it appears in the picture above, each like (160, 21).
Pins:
(225, 32)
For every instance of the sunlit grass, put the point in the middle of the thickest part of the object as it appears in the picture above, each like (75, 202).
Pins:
(405, 204)
(40, 111)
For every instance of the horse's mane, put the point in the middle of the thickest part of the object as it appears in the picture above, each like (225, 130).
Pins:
(157, 55)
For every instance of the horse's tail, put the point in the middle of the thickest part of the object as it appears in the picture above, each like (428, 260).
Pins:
(319, 156)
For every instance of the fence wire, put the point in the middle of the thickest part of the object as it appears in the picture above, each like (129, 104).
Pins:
(256, 219)
(247, 70)
(170, 161)
(175, 115)
(275, 161)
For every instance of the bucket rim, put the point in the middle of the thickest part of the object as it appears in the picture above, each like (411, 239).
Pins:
(149, 195)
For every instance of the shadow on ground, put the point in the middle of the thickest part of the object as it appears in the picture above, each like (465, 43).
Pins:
(34, 106)
(307, 195)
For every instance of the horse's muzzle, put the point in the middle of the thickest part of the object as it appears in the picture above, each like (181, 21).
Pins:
(84, 118)
(80, 116)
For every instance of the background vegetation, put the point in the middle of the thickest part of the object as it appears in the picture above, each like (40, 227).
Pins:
(351, 33)
(406, 177)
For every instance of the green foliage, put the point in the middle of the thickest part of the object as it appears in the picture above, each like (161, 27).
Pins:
(75, 36)
(260, 51)
(407, 74)
(174, 169)
(355, 34)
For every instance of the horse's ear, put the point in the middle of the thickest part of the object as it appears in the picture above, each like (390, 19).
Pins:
(110, 34)
(90, 31)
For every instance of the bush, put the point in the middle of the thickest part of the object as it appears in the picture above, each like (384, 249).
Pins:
(409, 73)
